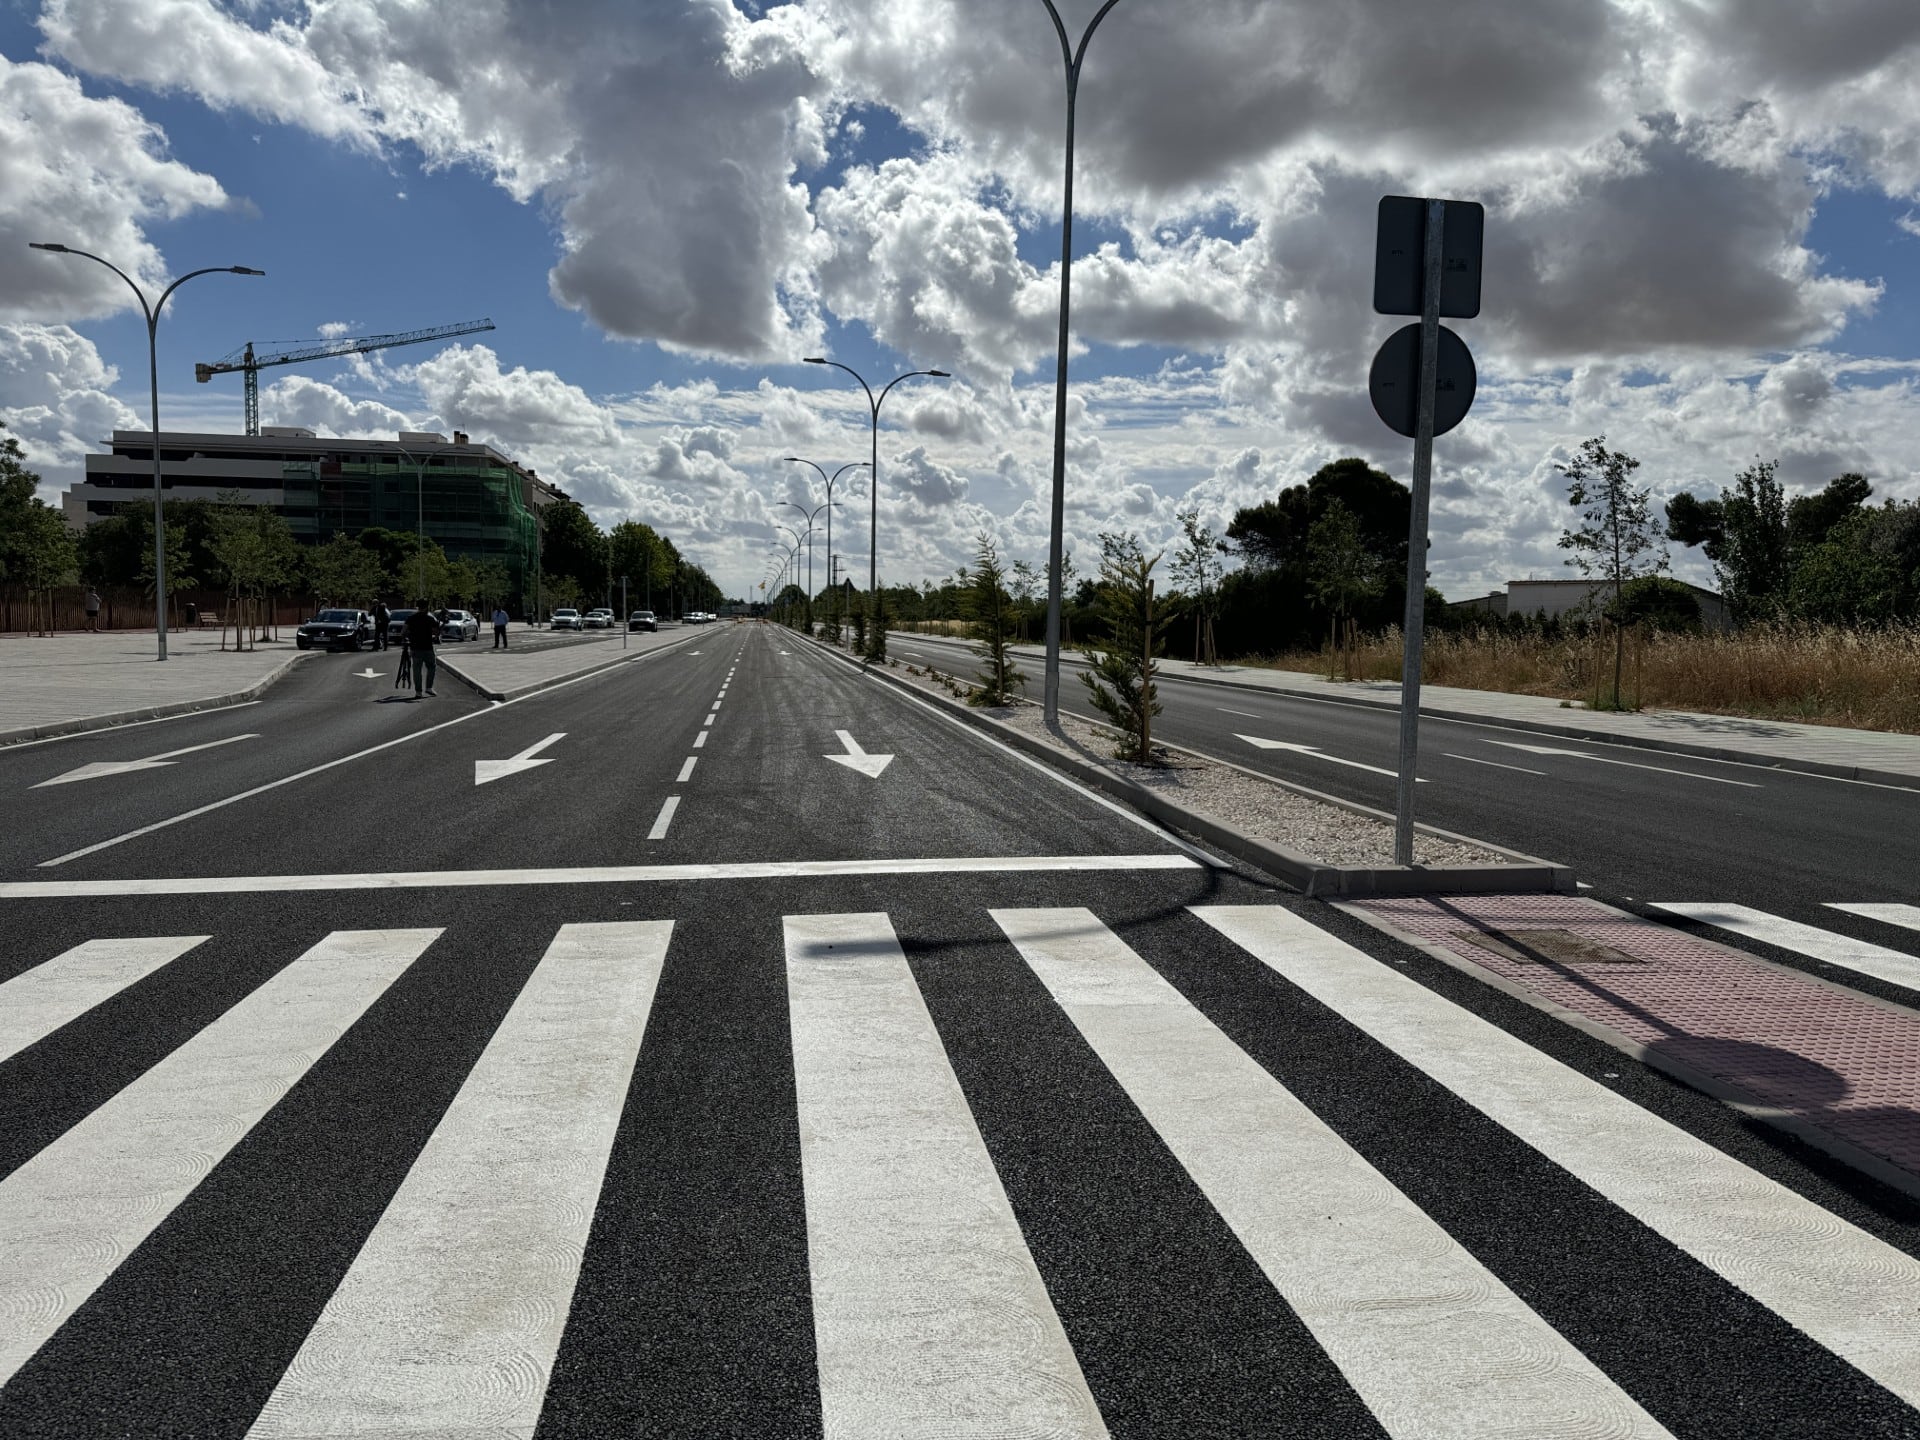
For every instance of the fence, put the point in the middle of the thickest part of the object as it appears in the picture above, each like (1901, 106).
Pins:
(129, 609)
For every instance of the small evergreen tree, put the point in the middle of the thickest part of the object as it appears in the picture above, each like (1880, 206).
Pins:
(1617, 540)
(990, 609)
(875, 648)
(1120, 677)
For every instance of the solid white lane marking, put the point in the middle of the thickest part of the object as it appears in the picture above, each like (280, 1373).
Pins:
(73, 1212)
(929, 1315)
(449, 1319)
(709, 719)
(664, 818)
(1843, 950)
(100, 768)
(1476, 760)
(700, 740)
(1629, 764)
(1246, 713)
(485, 772)
(1336, 1238)
(600, 875)
(686, 770)
(857, 759)
(1850, 1292)
(1313, 752)
(1907, 916)
(39, 1001)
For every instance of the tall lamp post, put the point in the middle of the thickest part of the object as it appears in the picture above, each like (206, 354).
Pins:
(1071, 58)
(419, 523)
(873, 467)
(830, 483)
(152, 312)
(811, 527)
(800, 539)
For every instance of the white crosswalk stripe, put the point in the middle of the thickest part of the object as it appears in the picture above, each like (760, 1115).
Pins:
(39, 1001)
(1859, 956)
(1332, 1234)
(1905, 916)
(75, 1210)
(450, 1317)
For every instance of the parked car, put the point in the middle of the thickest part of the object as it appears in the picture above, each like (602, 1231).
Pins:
(566, 618)
(397, 625)
(460, 625)
(642, 620)
(336, 630)
(599, 618)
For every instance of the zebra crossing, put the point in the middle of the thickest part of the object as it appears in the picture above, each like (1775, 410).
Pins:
(933, 1307)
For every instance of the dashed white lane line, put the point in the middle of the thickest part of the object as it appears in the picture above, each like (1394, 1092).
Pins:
(1248, 713)
(664, 818)
(709, 719)
(700, 739)
(686, 770)
(1494, 763)
(716, 706)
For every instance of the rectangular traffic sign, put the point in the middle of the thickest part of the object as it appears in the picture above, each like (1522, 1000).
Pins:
(1399, 257)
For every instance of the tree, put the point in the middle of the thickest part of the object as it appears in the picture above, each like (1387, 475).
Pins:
(1341, 572)
(1196, 569)
(1119, 677)
(345, 572)
(1659, 603)
(990, 609)
(1024, 585)
(252, 551)
(1617, 539)
(573, 546)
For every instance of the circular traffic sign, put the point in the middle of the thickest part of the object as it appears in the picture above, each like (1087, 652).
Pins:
(1393, 383)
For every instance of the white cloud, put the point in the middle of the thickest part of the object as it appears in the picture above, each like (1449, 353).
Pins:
(56, 398)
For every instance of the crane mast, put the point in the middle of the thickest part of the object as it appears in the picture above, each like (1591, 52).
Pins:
(250, 362)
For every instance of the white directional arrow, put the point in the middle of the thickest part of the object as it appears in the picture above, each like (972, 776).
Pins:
(369, 673)
(1266, 744)
(122, 767)
(488, 770)
(858, 759)
(1631, 765)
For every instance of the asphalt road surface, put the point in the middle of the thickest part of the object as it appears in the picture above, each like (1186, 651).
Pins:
(726, 1044)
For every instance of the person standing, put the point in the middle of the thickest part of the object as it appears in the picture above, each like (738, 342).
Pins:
(422, 631)
(499, 627)
(93, 609)
(381, 618)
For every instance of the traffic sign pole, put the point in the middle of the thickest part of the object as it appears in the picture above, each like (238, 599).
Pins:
(1413, 627)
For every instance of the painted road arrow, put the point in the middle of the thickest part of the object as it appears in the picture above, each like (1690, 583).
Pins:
(858, 759)
(1631, 765)
(1266, 744)
(121, 767)
(369, 673)
(485, 771)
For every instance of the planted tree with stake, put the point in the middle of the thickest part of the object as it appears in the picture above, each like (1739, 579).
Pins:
(1617, 540)
(1119, 679)
(990, 610)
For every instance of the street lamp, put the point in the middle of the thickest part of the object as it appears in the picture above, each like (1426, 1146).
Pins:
(1071, 58)
(873, 472)
(828, 507)
(830, 482)
(152, 312)
(419, 523)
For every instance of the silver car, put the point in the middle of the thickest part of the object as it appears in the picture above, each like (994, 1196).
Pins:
(566, 618)
(460, 625)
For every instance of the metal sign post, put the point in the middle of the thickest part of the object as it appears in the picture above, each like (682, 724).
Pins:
(626, 621)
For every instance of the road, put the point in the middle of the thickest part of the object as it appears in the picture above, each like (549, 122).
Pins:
(728, 1044)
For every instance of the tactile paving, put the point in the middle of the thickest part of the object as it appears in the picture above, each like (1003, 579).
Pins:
(1791, 1043)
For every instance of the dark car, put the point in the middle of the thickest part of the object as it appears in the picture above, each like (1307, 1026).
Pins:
(397, 625)
(336, 630)
(642, 620)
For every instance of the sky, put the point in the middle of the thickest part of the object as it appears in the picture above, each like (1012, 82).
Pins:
(1702, 241)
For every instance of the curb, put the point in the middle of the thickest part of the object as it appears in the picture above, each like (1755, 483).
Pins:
(1312, 877)
(536, 686)
(1760, 761)
(150, 712)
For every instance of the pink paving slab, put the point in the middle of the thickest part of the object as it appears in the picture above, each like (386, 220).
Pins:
(1843, 1062)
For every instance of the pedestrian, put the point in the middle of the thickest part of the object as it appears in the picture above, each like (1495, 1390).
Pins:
(93, 609)
(422, 631)
(499, 627)
(381, 619)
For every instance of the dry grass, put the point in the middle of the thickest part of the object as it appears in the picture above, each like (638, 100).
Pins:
(1865, 679)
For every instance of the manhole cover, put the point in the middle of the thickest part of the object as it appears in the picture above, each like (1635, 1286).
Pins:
(1552, 947)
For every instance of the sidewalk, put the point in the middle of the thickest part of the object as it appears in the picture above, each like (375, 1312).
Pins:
(1817, 749)
(76, 681)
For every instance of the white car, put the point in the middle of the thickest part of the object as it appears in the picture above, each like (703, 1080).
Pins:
(460, 625)
(599, 618)
(566, 618)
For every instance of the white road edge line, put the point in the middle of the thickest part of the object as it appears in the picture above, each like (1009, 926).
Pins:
(664, 818)
(494, 709)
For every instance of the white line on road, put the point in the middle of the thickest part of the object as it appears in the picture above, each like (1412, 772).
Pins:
(664, 818)
(39, 1001)
(716, 706)
(1246, 713)
(596, 875)
(700, 740)
(709, 719)
(686, 770)
(929, 1315)
(100, 768)
(1313, 752)
(487, 771)
(73, 1212)
(130, 725)
(1844, 1288)
(1907, 916)
(1341, 1243)
(1629, 764)
(451, 1314)
(1475, 760)
(1858, 956)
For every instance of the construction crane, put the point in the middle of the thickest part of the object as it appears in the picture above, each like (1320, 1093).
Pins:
(250, 362)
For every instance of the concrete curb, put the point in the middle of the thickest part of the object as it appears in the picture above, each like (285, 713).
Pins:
(150, 712)
(1573, 732)
(1312, 877)
(547, 684)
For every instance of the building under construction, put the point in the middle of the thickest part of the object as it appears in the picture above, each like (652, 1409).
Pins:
(472, 500)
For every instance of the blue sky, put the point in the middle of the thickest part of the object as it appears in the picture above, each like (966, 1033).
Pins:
(1696, 248)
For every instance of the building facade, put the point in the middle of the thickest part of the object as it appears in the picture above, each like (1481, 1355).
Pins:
(1552, 598)
(475, 502)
